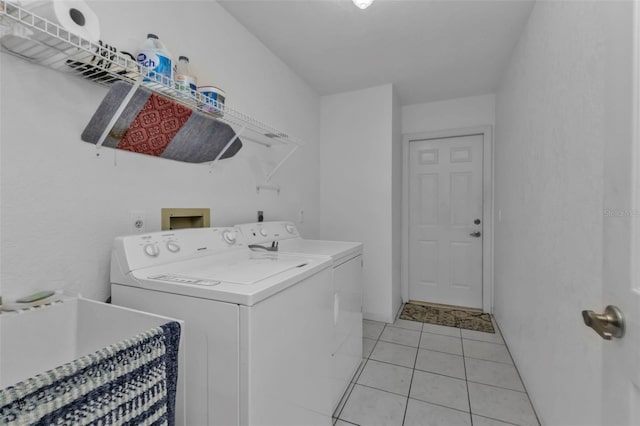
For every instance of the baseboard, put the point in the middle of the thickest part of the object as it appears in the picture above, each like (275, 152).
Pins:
(371, 316)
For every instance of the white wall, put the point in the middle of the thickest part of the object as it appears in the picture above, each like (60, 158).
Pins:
(62, 205)
(552, 108)
(456, 113)
(396, 205)
(356, 136)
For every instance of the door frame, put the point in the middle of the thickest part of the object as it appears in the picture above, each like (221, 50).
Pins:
(487, 205)
(635, 148)
(635, 187)
(620, 363)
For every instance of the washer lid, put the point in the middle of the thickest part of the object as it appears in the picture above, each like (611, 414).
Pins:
(248, 269)
(241, 277)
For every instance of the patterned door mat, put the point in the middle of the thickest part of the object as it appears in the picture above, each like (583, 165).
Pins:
(451, 316)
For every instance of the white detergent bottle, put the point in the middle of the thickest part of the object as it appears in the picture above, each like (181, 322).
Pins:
(157, 60)
(186, 82)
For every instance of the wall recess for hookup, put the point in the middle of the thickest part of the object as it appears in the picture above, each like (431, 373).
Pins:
(137, 221)
(180, 218)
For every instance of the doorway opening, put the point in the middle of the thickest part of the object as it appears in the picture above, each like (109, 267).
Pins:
(448, 218)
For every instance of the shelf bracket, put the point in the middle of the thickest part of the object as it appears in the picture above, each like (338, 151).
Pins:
(231, 141)
(117, 114)
(286, 157)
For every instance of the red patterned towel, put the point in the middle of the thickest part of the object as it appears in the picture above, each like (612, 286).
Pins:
(155, 126)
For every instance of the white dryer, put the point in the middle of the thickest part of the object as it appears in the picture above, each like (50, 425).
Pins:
(347, 287)
(257, 325)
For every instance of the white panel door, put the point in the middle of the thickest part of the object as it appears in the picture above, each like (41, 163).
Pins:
(445, 220)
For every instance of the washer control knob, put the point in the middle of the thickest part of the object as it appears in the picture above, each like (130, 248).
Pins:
(290, 228)
(263, 232)
(173, 246)
(229, 236)
(151, 250)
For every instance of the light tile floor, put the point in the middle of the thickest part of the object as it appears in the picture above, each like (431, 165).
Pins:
(431, 375)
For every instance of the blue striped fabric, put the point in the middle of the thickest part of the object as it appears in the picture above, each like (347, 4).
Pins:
(132, 382)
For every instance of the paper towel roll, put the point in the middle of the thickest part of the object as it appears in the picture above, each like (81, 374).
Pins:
(74, 16)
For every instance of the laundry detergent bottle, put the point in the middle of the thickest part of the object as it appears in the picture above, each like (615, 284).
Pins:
(157, 60)
(186, 82)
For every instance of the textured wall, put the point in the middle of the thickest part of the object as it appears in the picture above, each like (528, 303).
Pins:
(356, 185)
(396, 205)
(456, 113)
(62, 205)
(550, 142)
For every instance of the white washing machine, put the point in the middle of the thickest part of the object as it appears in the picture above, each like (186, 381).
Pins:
(346, 258)
(257, 325)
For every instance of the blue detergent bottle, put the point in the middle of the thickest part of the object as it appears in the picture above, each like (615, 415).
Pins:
(157, 60)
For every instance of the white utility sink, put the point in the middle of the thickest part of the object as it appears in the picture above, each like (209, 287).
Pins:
(39, 339)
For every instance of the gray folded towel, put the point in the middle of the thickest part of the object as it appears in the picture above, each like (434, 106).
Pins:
(155, 125)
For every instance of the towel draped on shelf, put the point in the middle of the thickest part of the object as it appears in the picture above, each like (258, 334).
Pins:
(130, 382)
(155, 125)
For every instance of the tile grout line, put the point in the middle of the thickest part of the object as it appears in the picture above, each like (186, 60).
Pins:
(357, 376)
(440, 352)
(413, 372)
(408, 346)
(440, 374)
(360, 371)
(495, 386)
(498, 420)
(435, 334)
(417, 399)
(448, 407)
(394, 365)
(466, 379)
(354, 424)
(484, 341)
(382, 390)
(420, 400)
(446, 335)
(346, 399)
(535, 413)
(491, 360)
(421, 330)
(435, 373)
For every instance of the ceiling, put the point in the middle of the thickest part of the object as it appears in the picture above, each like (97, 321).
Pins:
(429, 49)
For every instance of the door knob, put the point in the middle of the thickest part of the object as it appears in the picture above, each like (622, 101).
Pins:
(475, 234)
(608, 324)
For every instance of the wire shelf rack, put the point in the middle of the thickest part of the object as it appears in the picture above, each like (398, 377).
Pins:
(40, 41)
